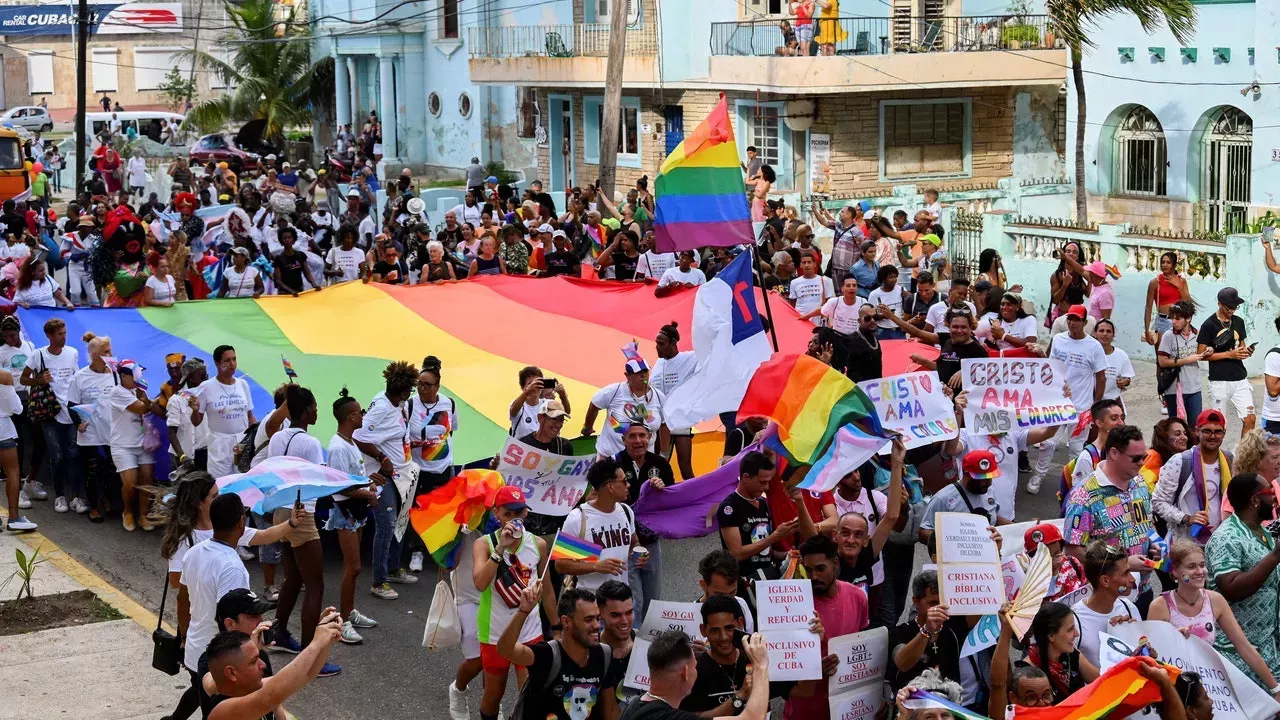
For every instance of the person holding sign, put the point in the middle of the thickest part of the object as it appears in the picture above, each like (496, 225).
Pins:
(673, 672)
(571, 688)
(1029, 685)
(746, 528)
(956, 346)
(1086, 364)
(1008, 448)
(605, 521)
(971, 493)
(724, 672)
(931, 639)
(860, 543)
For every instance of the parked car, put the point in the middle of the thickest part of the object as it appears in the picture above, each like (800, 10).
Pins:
(28, 117)
(245, 147)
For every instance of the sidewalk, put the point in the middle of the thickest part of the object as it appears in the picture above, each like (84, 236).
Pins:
(100, 670)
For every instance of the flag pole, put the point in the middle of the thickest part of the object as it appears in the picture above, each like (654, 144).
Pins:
(768, 310)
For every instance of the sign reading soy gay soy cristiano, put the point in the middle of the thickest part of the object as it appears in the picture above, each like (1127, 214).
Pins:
(784, 610)
(1009, 393)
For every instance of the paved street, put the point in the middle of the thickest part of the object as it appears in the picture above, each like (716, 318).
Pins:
(391, 671)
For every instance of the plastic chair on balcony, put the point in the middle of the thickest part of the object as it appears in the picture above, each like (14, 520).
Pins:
(932, 31)
(555, 46)
(861, 45)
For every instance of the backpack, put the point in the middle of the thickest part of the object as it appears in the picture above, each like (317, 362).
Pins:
(245, 450)
(553, 674)
(1069, 469)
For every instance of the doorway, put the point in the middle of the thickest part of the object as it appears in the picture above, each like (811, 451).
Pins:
(560, 141)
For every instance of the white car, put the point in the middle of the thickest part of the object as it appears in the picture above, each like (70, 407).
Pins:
(28, 117)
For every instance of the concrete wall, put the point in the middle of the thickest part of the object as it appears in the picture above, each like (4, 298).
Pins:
(1112, 84)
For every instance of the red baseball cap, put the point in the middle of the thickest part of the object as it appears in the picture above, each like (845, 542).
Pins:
(1046, 533)
(1210, 417)
(980, 464)
(510, 497)
(1079, 311)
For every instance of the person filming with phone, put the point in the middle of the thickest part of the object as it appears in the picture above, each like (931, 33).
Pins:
(1224, 333)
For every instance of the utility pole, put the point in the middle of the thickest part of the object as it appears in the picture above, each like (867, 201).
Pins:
(82, 83)
(613, 96)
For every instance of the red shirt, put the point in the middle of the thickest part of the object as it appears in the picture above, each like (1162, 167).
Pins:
(782, 510)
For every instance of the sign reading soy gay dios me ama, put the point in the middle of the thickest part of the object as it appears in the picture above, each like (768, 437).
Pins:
(553, 484)
(1009, 393)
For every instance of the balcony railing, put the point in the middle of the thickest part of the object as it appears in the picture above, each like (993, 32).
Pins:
(882, 35)
(581, 40)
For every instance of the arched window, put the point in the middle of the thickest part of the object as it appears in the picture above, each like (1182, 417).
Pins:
(1226, 170)
(1141, 155)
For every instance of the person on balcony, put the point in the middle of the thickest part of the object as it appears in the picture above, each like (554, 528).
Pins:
(829, 30)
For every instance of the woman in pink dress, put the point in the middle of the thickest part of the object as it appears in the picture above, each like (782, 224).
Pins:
(760, 193)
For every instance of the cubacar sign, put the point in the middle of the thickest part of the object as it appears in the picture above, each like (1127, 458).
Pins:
(125, 19)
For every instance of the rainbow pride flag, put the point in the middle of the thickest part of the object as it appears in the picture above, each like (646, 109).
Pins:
(810, 401)
(700, 197)
(439, 516)
(1119, 692)
(568, 547)
(289, 372)
(484, 331)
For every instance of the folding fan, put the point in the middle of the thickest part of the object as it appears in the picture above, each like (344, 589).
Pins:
(1035, 587)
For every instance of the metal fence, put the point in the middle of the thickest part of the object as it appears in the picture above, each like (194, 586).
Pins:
(882, 35)
(966, 244)
(580, 40)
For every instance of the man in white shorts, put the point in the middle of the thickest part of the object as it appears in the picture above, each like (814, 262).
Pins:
(1224, 333)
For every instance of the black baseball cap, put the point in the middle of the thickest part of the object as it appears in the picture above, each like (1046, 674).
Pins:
(1230, 297)
(241, 601)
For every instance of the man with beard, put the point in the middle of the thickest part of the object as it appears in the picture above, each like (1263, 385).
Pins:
(570, 676)
(971, 493)
(860, 543)
(1189, 493)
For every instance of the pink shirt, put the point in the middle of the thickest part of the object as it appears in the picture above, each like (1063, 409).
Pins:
(842, 614)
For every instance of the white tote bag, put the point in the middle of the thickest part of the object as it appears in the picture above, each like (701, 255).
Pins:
(443, 629)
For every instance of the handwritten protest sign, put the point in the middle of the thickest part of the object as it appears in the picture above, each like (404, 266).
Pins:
(1009, 393)
(784, 608)
(913, 405)
(664, 615)
(970, 581)
(862, 659)
(860, 703)
(638, 666)
(552, 483)
(1234, 695)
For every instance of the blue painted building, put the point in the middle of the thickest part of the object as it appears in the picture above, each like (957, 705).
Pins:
(409, 62)
(1180, 136)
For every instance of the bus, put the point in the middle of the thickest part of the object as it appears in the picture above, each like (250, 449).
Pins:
(14, 179)
(147, 122)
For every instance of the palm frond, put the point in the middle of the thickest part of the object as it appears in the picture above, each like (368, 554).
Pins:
(1076, 21)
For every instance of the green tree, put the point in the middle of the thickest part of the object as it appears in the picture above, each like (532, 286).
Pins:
(178, 88)
(1074, 21)
(269, 68)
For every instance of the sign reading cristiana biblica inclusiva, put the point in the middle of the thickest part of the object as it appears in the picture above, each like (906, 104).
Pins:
(116, 19)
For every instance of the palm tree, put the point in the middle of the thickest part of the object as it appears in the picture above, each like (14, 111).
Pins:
(270, 68)
(1073, 20)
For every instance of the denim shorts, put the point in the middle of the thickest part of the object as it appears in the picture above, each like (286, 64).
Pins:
(339, 520)
(9, 444)
(804, 33)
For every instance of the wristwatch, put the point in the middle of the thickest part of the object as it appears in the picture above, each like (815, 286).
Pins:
(495, 557)
(738, 703)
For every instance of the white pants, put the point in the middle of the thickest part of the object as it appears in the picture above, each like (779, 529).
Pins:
(222, 447)
(1047, 448)
(1238, 392)
(79, 278)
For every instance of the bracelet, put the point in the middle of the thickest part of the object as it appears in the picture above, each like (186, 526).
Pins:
(495, 557)
(1275, 690)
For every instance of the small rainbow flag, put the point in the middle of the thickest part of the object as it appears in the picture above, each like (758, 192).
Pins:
(699, 191)
(597, 246)
(568, 547)
(810, 401)
(1118, 692)
(923, 700)
(1156, 541)
(288, 368)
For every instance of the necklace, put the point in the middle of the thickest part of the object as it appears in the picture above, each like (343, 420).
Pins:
(1195, 605)
(873, 342)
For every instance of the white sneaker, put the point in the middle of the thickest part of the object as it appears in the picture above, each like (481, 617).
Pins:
(1033, 484)
(361, 620)
(79, 507)
(349, 634)
(415, 562)
(24, 501)
(458, 708)
(36, 491)
(384, 591)
(60, 505)
(22, 524)
(244, 553)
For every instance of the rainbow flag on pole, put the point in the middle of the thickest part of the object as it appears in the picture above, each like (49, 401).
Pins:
(810, 401)
(568, 547)
(288, 368)
(700, 196)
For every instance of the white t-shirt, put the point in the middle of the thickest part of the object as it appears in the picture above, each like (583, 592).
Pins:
(384, 426)
(240, 284)
(936, 318)
(10, 405)
(1084, 358)
(890, 298)
(1005, 447)
(62, 367)
(348, 261)
(653, 264)
(126, 426)
(1023, 327)
(295, 442)
(1184, 346)
(180, 553)
(137, 172)
(693, 276)
(842, 316)
(40, 294)
(226, 407)
(209, 570)
(613, 531)
(526, 418)
(1091, 623)
(668, 374)
(14, 359)
(162, 290)
(467, 214)
(178, 418)
(345, 456)
(430, 428)
(621, 410)
(810, 293)
(1270, 405)
(1118, 366)
(324, 223)
(91, 388)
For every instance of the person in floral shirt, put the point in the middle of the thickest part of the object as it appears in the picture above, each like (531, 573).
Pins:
(514, 251)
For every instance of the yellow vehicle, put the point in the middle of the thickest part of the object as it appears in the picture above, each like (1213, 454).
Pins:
(14, 179)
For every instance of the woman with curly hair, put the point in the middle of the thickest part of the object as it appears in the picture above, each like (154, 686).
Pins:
(36, 287)
(1258, 452)
(382, 440)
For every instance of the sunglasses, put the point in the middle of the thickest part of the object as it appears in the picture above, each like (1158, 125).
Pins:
(1207, 431)
(1192, 679)
(1137, 458)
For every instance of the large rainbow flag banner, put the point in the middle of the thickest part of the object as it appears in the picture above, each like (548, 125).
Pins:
(700, 196)
(484, 331)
